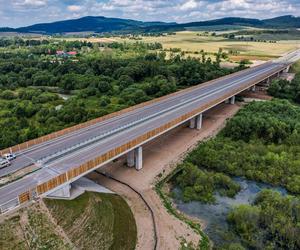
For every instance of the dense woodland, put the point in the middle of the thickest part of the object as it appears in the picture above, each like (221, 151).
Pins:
(100, 79)
(261, 143)
(286, 90)
(272, 222)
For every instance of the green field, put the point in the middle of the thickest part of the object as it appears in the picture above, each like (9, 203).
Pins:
(30, 229)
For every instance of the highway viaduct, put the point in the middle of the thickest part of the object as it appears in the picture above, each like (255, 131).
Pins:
(70, 154)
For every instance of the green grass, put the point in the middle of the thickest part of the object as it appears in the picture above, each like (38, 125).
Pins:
(41, 233)
(96, 221)
(8, 238)
(33, 231)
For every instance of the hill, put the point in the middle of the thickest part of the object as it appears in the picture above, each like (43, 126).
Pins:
(100, 24)
(281, 22)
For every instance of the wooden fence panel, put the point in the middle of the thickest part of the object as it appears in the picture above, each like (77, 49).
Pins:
(24, 197)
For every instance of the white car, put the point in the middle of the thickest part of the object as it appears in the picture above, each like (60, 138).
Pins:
(9, 157)
(4, 163)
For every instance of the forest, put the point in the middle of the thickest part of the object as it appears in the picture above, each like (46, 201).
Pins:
(272, 222)
(286, 90)
(100, 79)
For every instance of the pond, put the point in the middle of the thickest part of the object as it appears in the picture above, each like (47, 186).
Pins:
(213, 216)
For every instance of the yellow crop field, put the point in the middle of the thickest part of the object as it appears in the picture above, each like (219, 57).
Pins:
(191, 42)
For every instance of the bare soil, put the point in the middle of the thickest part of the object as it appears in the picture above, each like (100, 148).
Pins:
(257, 95)
(161, 157)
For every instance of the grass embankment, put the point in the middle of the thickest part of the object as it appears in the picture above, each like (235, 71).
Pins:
(96, 221)
(30, 229)
(92, 221)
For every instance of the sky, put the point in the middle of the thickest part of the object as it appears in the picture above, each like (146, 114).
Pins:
(19, 13)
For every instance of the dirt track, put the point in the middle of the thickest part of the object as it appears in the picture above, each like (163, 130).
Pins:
(160, 158)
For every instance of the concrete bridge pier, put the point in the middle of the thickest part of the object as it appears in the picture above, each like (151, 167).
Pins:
(135, 158)
(139, 158)
(287, 69)
(130, 159)
(199, 119)
(196, 122)
(253, 88)
(232, 100)
(192, 122)
(63, 192)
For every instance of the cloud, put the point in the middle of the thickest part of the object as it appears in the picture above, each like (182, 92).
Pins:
(25, 12)
(74, 8)
(32, 3)
(189, 5)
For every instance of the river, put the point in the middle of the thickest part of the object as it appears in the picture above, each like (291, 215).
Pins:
(213, 216)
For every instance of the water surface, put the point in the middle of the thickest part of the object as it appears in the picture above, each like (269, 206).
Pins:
(214, 215)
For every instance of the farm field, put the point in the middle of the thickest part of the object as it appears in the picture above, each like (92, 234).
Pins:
(190, 41)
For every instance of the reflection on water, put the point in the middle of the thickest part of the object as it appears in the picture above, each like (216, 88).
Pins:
(214, 215)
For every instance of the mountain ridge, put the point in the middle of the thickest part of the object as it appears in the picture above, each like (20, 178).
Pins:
(101, 24)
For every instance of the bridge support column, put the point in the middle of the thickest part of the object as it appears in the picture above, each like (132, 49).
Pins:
(135, 158)
(232, 100)
(130, 159)
(199, 119)
(62, 193)
(193, 122)
(287, 70)
(253, 88)
(138, 158)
